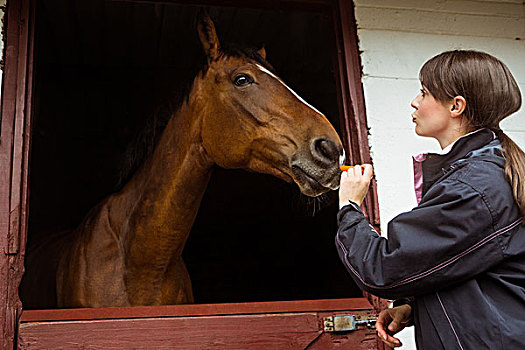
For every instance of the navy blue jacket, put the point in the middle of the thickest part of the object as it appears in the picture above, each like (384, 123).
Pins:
(459, 256)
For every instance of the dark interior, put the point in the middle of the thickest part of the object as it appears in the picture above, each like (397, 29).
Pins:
(104, 69)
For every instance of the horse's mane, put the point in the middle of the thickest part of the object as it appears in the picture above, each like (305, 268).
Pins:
(251, 52)
(146, 139)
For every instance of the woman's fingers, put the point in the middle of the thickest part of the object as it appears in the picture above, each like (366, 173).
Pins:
(368, 170)
(382, 322)
(362, 173)
(354, 184)
(390, 340)
(383, 326)
(396, 324)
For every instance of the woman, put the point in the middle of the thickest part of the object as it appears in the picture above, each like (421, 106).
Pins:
(456, 262)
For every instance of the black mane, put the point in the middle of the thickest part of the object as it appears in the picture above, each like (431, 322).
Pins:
(250, 52)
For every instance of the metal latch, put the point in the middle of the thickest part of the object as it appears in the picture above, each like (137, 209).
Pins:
(346, 323)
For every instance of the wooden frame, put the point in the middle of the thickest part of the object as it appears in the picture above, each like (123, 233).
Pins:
(352, 100)
(217, 326)
(15, 140)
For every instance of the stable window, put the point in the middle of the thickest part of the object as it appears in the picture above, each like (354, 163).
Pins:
(98, 72)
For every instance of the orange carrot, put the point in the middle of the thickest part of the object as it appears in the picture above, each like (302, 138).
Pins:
(346, 167)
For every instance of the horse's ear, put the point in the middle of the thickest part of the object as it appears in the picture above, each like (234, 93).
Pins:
(262, 52)
(208, 36)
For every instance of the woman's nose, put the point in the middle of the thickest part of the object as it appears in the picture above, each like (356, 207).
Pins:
(415, 102)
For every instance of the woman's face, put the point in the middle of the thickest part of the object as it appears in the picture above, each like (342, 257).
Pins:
(432, 117)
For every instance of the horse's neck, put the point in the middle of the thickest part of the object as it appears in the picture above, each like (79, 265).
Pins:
(158, 206)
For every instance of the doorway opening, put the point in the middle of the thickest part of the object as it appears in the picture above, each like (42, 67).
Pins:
(104, 70)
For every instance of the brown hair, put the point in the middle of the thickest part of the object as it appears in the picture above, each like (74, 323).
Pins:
(492, 94)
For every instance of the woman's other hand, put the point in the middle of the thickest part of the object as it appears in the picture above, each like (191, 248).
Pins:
(391, 321)
(354, 184)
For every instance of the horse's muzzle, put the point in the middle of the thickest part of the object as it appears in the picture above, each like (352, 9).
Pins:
(315, 181)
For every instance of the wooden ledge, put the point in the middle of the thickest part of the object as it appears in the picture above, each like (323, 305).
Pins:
(195, 310)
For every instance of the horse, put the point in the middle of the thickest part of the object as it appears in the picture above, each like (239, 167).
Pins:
(127, 251)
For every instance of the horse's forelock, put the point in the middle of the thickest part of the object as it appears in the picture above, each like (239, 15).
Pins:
(250, 52)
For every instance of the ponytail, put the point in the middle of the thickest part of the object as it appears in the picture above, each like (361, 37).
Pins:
(514, 168)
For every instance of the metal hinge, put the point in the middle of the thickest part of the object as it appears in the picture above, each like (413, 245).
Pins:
(346, 323)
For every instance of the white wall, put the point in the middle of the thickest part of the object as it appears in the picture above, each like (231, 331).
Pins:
(396, 37)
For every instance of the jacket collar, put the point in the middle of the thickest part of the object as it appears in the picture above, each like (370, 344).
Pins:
(430, 167)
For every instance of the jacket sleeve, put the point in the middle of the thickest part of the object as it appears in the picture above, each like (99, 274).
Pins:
(449, 238)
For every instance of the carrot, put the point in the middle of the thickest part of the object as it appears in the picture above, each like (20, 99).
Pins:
(346, 167)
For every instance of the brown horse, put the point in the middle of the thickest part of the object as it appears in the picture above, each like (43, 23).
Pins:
(127, 251)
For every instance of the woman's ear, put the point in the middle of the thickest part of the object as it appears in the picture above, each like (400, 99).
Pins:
(458, 105)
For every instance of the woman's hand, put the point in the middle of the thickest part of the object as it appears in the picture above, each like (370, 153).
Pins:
(391, 321)
(354, 184)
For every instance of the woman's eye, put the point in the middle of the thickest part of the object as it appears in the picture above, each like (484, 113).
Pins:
(243, 80)
(422, 92)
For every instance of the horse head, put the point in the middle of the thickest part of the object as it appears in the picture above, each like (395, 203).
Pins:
(252, 120)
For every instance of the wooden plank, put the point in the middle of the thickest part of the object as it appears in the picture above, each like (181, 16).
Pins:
(259, 331)
(441, 23)
(490, 8)
(361, 340)
(355, 124)
(282, 331)
(195, 310)
(18, 141)
(365, 339)
(22, 147)
(13, 163)
(303, 5)
(9, 98)
(391, 54)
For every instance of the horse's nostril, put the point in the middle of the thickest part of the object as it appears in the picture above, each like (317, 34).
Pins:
(325, 150)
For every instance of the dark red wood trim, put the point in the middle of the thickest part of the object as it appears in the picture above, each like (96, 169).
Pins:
(355, 124)
(196, 310)
(305, 5)
(262, 331)
(14, 151)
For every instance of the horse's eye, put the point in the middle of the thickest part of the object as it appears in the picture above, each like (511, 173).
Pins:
(243, 80)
